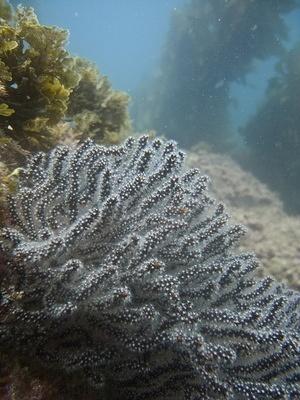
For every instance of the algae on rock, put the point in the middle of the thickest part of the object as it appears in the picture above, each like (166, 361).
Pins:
(37, 76)
(48, 95)
(5, 10)
(98, 111)
(41, 84)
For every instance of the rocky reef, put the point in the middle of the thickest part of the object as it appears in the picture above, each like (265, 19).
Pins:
(273, 133)
(121, 270)
(120, 276)
(271, 232)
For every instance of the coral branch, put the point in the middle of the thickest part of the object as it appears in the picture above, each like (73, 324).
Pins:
(122, 269)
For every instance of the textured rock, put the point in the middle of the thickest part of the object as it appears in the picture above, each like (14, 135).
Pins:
(272, 234)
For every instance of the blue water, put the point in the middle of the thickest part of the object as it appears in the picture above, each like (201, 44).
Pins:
(127, 38)
(124, 38)
(250, 95)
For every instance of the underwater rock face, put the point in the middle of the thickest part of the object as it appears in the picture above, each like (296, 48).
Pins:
(119, 268)
(273, 235)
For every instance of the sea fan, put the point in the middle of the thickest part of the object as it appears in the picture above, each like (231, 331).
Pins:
(120, 268)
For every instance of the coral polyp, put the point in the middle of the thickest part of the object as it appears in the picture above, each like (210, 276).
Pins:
(119, 267)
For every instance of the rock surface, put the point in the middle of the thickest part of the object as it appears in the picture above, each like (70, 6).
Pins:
(272, 234)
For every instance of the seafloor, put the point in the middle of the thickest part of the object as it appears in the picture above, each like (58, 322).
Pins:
(272, 234)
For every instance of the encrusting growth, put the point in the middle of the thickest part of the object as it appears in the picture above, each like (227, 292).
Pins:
(120, 267)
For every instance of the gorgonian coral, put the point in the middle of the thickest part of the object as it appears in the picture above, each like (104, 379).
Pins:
(120, 267)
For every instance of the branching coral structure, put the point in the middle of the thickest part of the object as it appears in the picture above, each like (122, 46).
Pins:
(121, 268)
